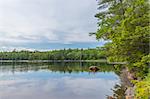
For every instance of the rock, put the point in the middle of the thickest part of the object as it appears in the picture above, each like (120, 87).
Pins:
(129, 97)
(94, 68)
(130, 93)
(110, 97)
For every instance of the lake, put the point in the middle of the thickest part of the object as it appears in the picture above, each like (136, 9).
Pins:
(56, 81)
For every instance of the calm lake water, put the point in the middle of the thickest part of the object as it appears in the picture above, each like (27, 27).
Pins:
(56, 81)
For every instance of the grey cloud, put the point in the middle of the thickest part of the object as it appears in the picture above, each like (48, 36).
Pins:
(49, 21)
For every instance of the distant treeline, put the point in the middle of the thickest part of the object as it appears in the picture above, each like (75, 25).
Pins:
(65, 54)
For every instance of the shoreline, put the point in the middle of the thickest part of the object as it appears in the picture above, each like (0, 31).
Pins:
(42, 61)
(47, 61)
(126, 78)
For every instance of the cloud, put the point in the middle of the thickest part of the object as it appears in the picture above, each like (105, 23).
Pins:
(23, 22)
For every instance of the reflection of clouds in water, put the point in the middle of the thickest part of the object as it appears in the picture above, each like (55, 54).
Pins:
(53, 88)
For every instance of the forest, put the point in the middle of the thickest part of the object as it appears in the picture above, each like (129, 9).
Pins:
(65, 54)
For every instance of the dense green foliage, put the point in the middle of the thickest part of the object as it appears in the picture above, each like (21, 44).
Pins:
(66, 54)
(143, 88)
(125, 24)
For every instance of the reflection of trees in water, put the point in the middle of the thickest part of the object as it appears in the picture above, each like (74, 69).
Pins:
(63, 67)
(119, 91)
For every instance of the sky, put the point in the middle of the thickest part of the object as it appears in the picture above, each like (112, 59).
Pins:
(47, 24)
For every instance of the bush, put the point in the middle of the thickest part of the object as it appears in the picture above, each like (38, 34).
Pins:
(142, 90)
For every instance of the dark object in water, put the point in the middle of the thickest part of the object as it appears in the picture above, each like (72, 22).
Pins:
(94, 68)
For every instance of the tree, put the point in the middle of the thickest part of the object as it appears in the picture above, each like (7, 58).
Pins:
(125, 25)
(69, 54)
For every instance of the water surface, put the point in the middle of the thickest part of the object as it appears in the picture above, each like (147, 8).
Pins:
(56, 81)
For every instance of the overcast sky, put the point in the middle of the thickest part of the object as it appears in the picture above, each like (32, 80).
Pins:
(47, 24)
